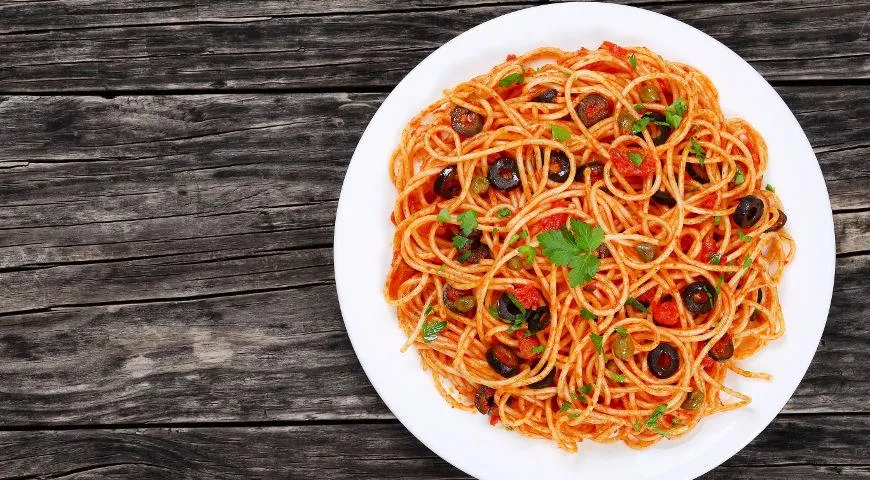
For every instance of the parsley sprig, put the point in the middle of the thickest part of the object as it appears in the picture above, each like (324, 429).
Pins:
(573, 248)
(513, 78)
(674, 113)
(652, 422)
(431, 331)
(698, 150)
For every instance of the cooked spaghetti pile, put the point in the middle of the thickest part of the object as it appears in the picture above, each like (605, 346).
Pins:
(585, 249)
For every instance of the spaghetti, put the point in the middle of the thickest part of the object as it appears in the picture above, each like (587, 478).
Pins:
(583, 249)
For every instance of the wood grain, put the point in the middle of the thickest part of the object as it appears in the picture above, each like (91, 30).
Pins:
(105, 46)
(373, 451)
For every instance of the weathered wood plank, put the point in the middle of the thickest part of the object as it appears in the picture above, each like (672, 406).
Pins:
(280, 355)
(253, 47)
(783, 450)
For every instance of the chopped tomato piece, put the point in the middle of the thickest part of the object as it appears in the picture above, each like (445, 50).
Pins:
(666, 313)
(668, 419)
(493, 419)
(614, 49)
(646, 296)
(628, 169)
(707, 362)
(685, 242)
(445, 231)
(708, 247)
(528, 296)
(526, 346)
(553, 222)
(709, 201)
(511, 57)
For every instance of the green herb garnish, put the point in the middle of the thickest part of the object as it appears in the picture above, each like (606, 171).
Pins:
(633, 61)
(504, 212)
(635, 158)
(739, 178)
(467, 221)
(617, 377)
(517, 303)
(529, 252)
(699, 152)
(494, 312)
(639, 106)
(639, 125)
(444, 216)
(674, 113)
(770, 188)
(539, 349)
(565, 407)
(428, 310)
(573, 415)
(587, 315)
(633, 302)
(463, 257)
(431, 330)
(716, 220)
(573, 248)
(597, 342)
(744, 237)
(715, 258)
(560, 133)
(747, 260)
(513, 78)
(719, 284)
(460, 242)
(621, 331)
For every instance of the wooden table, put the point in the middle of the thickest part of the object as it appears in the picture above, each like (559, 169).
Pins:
(169, 172)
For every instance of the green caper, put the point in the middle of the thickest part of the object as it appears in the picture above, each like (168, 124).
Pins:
(464, 304)
(515, 263)
(646, 251)
(693, 401)
(623, 347)
(649, 94)
(625, 120)
(479, 185)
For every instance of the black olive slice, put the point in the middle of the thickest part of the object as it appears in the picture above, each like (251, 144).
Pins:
(594, 108)
(559, 167)
(447, 184)
(699, 297)
(657, 123)
(503, 360)
(780, 222)
(538, 318)
(548, 381)
(484, 399)
(503, 174)
(506, 308)
(749, 211)
(697, 172)
(663, 361)
(722, 350)
(547, 96)
(466, 122)
(662, 197)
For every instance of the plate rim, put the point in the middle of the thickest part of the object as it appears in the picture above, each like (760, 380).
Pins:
(342, 209)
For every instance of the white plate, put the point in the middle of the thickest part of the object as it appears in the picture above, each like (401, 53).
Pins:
(363, 240)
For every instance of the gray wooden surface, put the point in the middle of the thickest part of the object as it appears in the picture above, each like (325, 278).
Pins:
(169, 173)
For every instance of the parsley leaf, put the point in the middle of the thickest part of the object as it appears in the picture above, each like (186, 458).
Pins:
(633, 61)
(513, 239)
(529, 252)
(747, 260)
(674, 113)
(633, 302)
(583, 268)
(635, 158)
(460, 242)
(770, 188)
(429, 309)
(653, 419)
(517, 304)
(494, 312)
(719, 284)
(573, 415)
(716, 220)
(444, 216)
(587, 315)
(715, 258)
(738, 177)
(571, 247)
(504, 212)
(743, 236)
(539, 349)
(698, 150)
(465, 256)
(617, 377)
(431, 330)
(467, 221)
(597, 340)
(585, 389)
(513, 78)
(440, 270)
(560, 133)
(621, 331)
(639, 125)
(565, 407)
